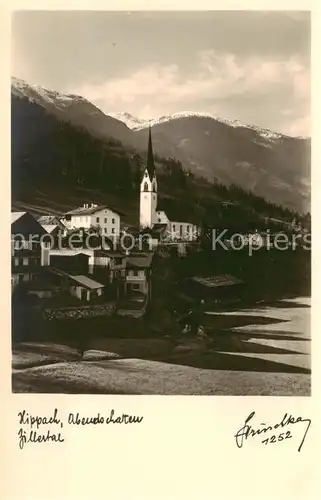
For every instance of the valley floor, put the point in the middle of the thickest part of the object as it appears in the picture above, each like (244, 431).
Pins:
(262, 351)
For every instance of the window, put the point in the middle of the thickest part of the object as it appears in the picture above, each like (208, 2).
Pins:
(105, 220)
(154, 187)
(97, 219)
(113, 230)
(134, 286)
(187, 227)
(145, 186)
(105, 230)
(174, 227)
(181, 230)
(159, 219)
(113, 221)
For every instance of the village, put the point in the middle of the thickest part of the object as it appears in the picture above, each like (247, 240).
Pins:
(87, 261)
(86, 282)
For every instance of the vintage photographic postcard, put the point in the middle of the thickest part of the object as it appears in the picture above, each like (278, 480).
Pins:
(158, 168)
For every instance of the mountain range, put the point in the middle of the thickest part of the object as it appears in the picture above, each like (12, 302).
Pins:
(270, 164)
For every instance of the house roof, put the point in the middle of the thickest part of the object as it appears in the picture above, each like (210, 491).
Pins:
(91, 210)
(86, 282)
(49, 227)
(25, 224)
(108, 253)
(141, 261)
(216, 281)
(111, 253)
(16, 215)
(157, 230)
(47, 219)
(69, 255)
(67, 252)
(159, 226)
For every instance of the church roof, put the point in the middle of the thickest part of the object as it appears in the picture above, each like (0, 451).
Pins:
(175, 213)
(150, 157)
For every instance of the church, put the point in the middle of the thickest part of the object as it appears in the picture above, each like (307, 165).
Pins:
(151, 215)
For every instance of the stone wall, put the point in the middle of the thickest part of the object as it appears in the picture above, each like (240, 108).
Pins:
(79, 312)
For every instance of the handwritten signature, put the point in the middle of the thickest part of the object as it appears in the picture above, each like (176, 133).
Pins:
(247, 431)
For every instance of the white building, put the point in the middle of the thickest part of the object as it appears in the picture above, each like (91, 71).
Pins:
(148, 190)
(94, 216)
(150, 213)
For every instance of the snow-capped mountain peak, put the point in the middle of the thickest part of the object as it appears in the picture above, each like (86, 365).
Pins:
(135, 123)
(131, 121)
(42, 95)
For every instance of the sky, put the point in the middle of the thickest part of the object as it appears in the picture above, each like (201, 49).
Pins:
(252, 66)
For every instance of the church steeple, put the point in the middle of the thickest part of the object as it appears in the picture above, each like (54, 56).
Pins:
(150, 156)
(148, 189)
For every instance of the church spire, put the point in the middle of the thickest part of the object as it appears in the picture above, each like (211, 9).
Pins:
(150, 156)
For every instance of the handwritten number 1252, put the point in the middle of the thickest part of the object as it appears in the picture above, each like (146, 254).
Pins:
(280, 437)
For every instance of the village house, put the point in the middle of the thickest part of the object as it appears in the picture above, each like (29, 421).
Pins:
(213, 288)
(107, 263)
(106, 220)
(54, 231)
(29, 252)
(76, 263)
(66, 284)
(51, 222)
(138, 274)
(113, 261)
(150, 212)
(84, 288)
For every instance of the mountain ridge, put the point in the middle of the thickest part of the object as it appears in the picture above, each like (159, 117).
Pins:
(136, 123)
(270, 164)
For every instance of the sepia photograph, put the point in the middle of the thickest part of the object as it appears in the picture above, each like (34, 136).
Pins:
(161, 202)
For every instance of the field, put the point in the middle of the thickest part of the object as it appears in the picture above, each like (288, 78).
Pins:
(259, 352)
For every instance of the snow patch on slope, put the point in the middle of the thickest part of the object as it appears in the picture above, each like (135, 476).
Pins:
(42, 95)
(135, 123)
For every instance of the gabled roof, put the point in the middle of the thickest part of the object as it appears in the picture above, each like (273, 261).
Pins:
(16, 215)
(48, 219)
(86, 282)
(92, 210)
(49, 227)
(158, 229)
(216, 281)
(69, 255)
(140, 261)
(109, 253)
(175, 213)
(25, 224)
